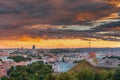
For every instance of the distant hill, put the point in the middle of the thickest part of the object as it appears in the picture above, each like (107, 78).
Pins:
(85, 65)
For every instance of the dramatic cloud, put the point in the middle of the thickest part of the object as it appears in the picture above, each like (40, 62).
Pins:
(19, 18)
(55, 11)
(109, 31)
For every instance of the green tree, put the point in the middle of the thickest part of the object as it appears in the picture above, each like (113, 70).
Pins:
(50, 77)
(19, 58)
(65, 76)
(110, 75)
(4, 78)
(35, 71)
(104, 74)
(117, 74)
(97, 77)
(1, 60)
(85, 74)
(10, 70)
(11, 78)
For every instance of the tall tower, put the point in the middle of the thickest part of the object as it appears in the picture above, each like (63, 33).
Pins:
(89, 43)
(33, 47)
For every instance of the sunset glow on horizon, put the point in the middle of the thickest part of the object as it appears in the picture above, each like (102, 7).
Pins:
(57, 43)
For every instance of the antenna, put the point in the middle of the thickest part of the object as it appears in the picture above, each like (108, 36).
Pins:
(89, 43)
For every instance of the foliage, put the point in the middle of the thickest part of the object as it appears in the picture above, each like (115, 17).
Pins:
(1, 60)
(85, 74)
(40, 71)
(65, 76)
(51, 77)
(117, 74)
(35, 71)
(113, 57)
(19, 58)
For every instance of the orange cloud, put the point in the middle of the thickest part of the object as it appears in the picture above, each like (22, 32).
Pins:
(85, 16)
(111, 16)
(114, 2)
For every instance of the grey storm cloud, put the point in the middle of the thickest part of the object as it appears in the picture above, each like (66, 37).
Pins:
(109, 31)
(109, 26)
(17, 16)
(56, 11)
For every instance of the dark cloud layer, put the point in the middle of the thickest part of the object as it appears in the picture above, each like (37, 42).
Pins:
(56, 11)
(113, 26)
(19, 16)
(110, 31)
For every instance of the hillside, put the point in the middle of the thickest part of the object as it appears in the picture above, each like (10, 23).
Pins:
(85, 65)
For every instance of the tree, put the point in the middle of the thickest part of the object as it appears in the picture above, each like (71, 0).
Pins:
(85, 74)
(97, 77)
(110, 75)
(117, 74)
(35, 71)
(50, 77)
(4, 78)
(19, 58)
(10, 70)
(104, 74)
(11, 78)
(1, 60)
(65, 76)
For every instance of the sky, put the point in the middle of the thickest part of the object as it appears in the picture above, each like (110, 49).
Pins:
(59, 23)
